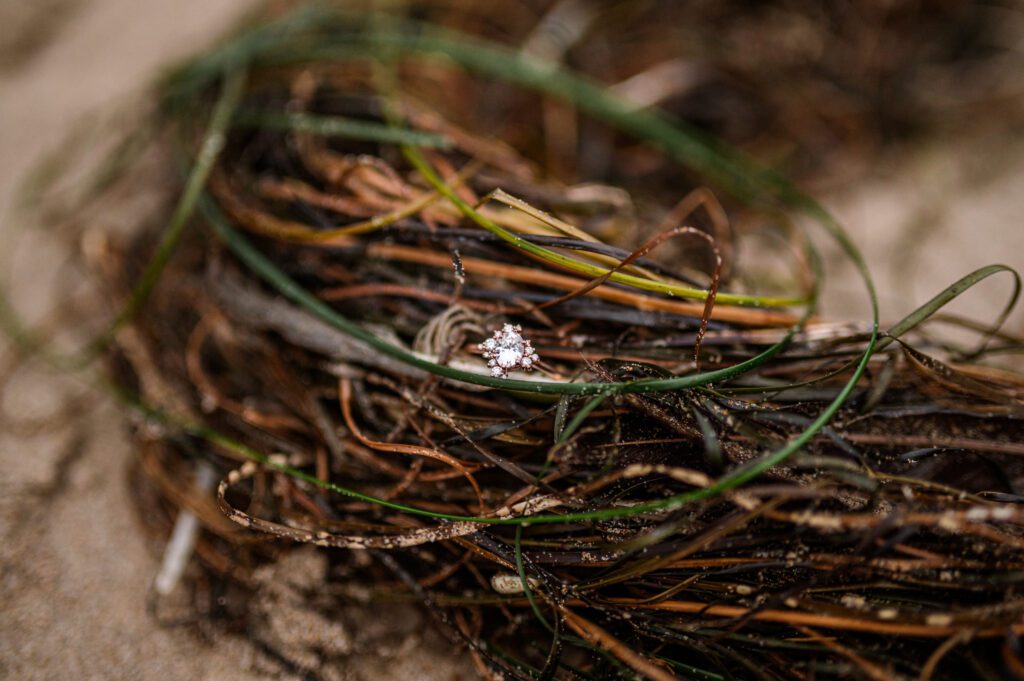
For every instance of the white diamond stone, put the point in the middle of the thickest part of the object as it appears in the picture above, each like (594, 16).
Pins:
(507, 350)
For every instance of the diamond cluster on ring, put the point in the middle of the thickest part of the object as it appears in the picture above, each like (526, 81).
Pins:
(507, 350)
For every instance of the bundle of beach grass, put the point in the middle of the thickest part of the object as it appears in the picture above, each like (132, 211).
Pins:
(439, 301)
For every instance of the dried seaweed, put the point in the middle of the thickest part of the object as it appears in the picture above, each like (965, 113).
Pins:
(699, 478)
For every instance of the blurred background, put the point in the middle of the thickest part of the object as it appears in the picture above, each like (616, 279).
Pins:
(905, 118)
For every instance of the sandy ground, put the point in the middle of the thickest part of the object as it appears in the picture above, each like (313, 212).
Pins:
(75, 569)
(945, 210)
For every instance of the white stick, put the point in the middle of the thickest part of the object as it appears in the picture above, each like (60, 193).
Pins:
(183, 538)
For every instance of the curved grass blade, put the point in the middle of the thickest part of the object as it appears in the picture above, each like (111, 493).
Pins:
(425, 169)
(269, 272)
(947, 295)
(213, 144)
(337, 126)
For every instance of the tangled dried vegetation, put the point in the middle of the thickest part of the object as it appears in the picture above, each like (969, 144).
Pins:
(699, 478)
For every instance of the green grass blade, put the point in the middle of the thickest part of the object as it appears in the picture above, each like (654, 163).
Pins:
(213, 144)
(338, 126)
